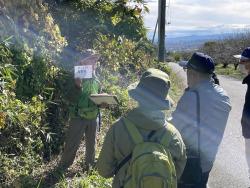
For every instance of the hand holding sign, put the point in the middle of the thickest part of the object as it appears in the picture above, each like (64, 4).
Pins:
(85, 67)
(84, 71)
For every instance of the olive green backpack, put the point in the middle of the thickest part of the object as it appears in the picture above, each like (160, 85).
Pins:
(151, 164)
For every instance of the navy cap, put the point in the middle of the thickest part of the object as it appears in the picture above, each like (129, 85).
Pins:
(199, 62)
(245, 54)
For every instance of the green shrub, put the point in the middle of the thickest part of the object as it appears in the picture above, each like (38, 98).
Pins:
(21, 126)
(122, 62)
(33, 91)
(86, 181)
(32, 26)
(81, 21)
(27, 100)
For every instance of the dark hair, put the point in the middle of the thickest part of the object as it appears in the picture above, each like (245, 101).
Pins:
(215, 78)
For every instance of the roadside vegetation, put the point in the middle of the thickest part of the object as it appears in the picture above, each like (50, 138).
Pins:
(40, 40)
(222, 52)
(39, 43)
(229, 71)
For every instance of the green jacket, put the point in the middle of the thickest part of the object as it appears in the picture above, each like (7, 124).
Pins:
(80, 104)
(118, 144)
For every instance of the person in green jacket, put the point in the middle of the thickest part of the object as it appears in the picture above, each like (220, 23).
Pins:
(151, 94)
(83, 117)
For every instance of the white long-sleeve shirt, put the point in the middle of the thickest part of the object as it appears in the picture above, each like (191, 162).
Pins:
(214, 110)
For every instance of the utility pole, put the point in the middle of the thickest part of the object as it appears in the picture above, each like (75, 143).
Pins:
(161, 30)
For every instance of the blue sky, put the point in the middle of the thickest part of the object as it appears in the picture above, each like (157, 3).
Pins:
(202, 16)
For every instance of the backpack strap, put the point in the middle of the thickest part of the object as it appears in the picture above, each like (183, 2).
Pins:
(137, 138)
(151, 134)
(198, 111)
(133, 132)
(122, 163)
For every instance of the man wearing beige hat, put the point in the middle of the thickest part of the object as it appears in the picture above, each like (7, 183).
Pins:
(137, 137)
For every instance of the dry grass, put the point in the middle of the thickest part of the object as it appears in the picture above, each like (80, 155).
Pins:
(229, 71)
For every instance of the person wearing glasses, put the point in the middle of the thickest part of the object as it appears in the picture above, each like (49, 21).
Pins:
(201, 117)
(244, 66)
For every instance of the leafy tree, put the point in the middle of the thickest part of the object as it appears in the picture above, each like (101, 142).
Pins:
(33, 110)
(21, 124)
(81, 21)
(32, 26)
(222, 50)
(29, 42)
(122, 61)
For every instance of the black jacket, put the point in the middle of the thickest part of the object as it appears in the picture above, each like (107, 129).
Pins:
(245, 120)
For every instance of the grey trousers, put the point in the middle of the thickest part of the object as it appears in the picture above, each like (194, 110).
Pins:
(79, 127)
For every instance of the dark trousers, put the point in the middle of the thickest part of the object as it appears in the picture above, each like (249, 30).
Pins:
(203, 184)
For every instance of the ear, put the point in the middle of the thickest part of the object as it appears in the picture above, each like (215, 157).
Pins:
(247, 66)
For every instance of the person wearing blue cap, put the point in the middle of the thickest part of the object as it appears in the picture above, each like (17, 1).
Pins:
(244, 66)
(201, 116)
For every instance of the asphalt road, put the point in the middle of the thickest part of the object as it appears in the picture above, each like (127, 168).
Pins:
(230, 167)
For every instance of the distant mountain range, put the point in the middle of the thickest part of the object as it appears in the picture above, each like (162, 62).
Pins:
(191, 39)
(190, 42)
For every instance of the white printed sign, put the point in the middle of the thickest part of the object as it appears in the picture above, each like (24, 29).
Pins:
(84, 71)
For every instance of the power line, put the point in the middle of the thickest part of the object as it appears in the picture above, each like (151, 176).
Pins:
(156, 24)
